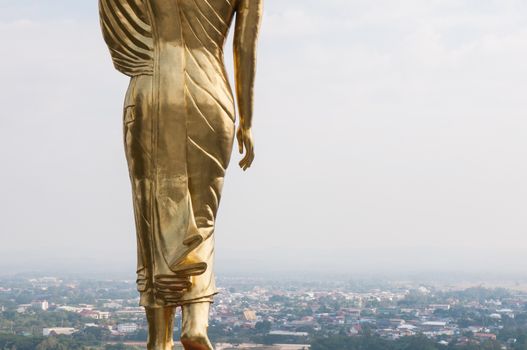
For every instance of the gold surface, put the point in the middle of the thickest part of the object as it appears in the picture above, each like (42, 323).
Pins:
(179, 127)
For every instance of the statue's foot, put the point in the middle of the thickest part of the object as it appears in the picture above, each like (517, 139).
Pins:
(196, 342)
(165, 346)
(194, 326)
(160, 328)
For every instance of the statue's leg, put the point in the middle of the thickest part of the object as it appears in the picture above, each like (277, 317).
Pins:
(194, 326)
(160, 328)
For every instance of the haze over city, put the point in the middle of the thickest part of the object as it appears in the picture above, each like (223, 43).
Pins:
(390, 137)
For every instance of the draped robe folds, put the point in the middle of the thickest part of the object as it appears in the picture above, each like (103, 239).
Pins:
(178, 135)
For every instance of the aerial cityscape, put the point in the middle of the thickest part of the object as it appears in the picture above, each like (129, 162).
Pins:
(42, 312)
(384, 209)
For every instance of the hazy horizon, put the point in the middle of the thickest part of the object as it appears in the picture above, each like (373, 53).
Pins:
(390, 137)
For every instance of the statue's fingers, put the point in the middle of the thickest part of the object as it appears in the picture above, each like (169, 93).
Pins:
(249, 156)
(249, 161)
(243, 162)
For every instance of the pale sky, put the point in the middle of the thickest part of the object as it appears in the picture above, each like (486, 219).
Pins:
(390, 137)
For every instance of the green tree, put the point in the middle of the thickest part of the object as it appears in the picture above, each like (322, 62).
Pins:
(51, 343)
(117, 347)
(263, 327)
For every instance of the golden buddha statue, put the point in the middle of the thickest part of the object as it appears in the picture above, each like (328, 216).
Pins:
(179, 129)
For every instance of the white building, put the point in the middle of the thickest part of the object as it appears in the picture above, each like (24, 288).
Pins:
(70, 308)
(508, 312)
(287, 333)
(127, 328)
(58, 331)
(96, 315)
(112, 305)
(444, 307)
(22, 308)
(434, 324)
(40, 305)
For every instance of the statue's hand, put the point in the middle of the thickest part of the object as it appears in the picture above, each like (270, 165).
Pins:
(245, 141)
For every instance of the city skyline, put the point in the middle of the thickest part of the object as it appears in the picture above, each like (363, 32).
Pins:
(271, 314)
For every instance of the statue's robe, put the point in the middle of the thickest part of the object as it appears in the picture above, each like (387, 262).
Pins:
(178, 132)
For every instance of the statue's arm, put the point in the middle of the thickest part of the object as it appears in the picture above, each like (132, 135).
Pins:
(248, 18)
